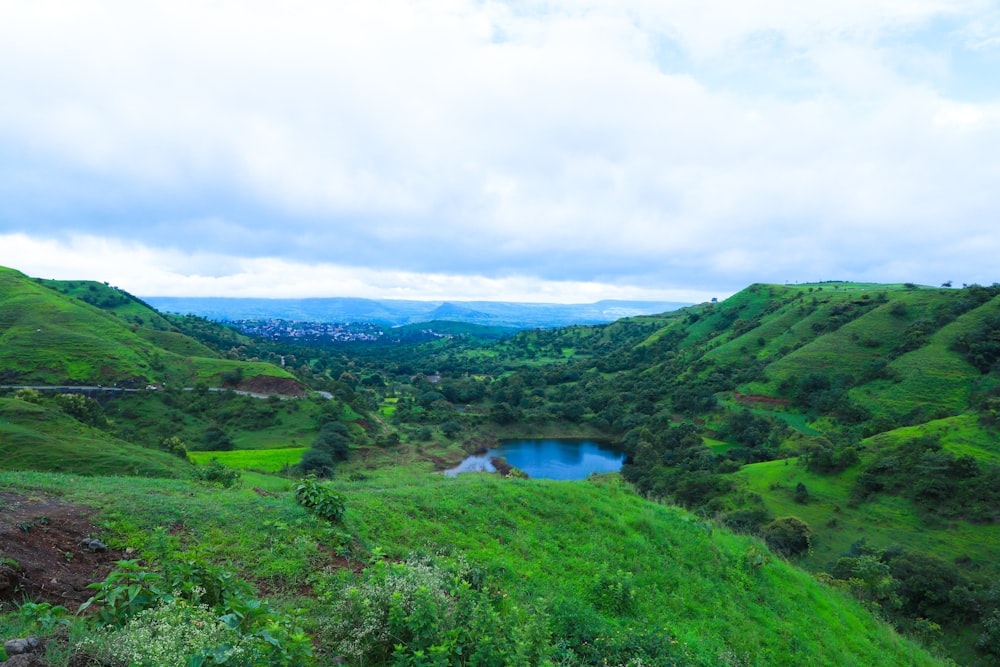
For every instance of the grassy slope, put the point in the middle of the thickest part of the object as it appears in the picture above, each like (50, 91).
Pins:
(47, 337)
(933, 377)
(37, 438)
(542, 543)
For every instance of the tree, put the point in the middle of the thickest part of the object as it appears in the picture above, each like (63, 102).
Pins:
(801, 493)
(84, 410)
(333, 439)
(789, 535)
(316, 462)
(217, 440)
(451, 428)
(503, 414)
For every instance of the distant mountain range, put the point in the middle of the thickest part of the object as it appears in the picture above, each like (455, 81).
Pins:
(396, 312)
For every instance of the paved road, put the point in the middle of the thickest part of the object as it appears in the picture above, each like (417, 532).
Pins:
(71, 389)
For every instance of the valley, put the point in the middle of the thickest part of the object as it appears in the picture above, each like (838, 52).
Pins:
(810, 477)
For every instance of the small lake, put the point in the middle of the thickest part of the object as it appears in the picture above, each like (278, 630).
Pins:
(548, 459)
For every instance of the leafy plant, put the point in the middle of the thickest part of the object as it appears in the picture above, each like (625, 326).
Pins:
(215, 472)
(43, 617)
(125, 592)
(320, 500)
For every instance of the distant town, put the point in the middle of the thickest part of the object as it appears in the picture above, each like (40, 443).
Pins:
(277, 329)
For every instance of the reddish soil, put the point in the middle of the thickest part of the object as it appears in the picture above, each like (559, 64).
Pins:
(41, 556)
(268, 384)
(757, 398)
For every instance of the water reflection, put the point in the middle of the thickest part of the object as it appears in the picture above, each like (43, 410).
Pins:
(548, 459)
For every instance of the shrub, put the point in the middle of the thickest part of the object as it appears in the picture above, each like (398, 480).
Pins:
(319, 500)
(28, 395)
(174, 445)
(423, 613)
(197, 615)
(217, 440)
(801, 493)
(613, 592)
(789, 535)
(215, 472)
(316, 462)
(83, 409)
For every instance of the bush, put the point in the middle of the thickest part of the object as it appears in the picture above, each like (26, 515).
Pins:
(83, 409)
(613, 592)
(788, 535)
(217, 440)
(319, 500)
(197, 615)
(316, 462)
(174, 445)
(423, 613)
(215, 472)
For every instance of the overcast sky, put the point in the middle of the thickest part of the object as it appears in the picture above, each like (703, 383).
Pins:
(548, 151)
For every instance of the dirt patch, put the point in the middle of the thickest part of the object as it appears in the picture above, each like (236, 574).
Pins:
(758, 399)
(268, 384)
(42, 557)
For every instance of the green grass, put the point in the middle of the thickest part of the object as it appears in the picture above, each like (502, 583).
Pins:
(542, 544)
(48, 337)
(885, 521)
(265, 460)
(34, 437)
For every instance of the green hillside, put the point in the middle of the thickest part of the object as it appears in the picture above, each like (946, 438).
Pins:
(529, 573)
(34, 437)
(48, 337)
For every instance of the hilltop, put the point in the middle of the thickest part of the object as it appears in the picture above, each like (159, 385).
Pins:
(87, 333)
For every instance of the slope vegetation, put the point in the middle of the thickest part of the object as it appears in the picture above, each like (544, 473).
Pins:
(48, 337)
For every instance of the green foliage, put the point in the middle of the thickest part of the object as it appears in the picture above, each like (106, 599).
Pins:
(421, 612)
(83, 409)
(214, 472)
(28, 395)
(320, 500)
(175, 446)
(822, 456)
(316, 462)
(39, 437)
(216, 440)
(981, 346)
(989, 640)
(125, 592)
(938, 480)
(196, 615)
(613, 592)
(801, 494)
(451, 428)
(788, 535)
(42, 617)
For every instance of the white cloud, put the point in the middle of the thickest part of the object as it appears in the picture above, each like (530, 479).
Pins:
(148, 271)
(576, 142)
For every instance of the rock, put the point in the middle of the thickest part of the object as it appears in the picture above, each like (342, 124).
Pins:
(22, 646)
(93, 544)
(26, 660)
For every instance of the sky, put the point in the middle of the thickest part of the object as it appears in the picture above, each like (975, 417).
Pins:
(561, 151)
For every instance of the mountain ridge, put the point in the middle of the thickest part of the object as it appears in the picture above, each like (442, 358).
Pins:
(398, 312)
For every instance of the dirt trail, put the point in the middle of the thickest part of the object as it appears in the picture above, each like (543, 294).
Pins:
(41, 555)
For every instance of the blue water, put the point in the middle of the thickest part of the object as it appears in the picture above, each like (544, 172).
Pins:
(548, 459)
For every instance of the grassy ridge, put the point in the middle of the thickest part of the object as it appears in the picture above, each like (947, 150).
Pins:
(51, 337)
